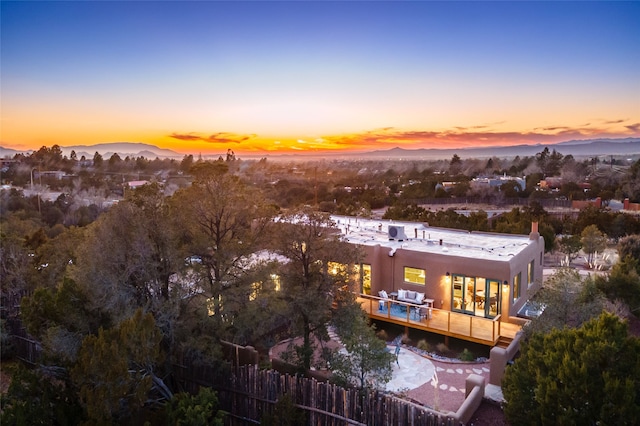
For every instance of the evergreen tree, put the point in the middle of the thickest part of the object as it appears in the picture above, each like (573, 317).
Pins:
(593, 241)
(367, 362)
(115, 369)
(588, 375)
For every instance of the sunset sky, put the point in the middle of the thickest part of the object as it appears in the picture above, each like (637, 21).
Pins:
(260, 77)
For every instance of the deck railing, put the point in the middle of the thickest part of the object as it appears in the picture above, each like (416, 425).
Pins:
(468, 327)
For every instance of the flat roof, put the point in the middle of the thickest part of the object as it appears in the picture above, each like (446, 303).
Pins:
(475, 245)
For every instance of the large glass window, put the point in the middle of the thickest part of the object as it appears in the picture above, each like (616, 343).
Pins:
(365, 278)
(255, 290)
(335, 268)
(517, 286)
(276, 282)
(492, 303)
(415, 275)
(457, 292)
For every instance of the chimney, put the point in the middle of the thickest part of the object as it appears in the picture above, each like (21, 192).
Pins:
(534, 235)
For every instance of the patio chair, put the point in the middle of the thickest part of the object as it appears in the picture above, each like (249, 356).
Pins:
(381, 303)
(423, 312)
(397, 352)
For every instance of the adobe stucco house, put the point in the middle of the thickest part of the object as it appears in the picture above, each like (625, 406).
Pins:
(469, 276)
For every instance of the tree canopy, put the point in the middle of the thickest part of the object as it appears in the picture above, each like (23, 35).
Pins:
(587, 375)
(316, 273)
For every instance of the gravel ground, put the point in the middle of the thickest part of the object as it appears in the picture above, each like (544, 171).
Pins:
(448, 393)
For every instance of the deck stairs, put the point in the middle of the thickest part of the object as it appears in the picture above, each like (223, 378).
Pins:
(504, 341)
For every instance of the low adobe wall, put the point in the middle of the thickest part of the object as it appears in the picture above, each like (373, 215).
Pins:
(474, 393)
(500, 357)
(576, 204)
(627, 205)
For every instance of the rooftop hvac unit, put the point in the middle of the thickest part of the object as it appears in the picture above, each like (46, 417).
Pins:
(397, 233)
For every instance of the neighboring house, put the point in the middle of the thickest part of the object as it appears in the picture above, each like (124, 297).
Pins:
(497, 182)
(55, 174)
(479, 274)
(635, 207)
(133, 184)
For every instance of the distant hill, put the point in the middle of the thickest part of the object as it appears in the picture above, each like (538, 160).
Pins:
(583, 148)
(8, 152)
(124, 149)
(577, 148)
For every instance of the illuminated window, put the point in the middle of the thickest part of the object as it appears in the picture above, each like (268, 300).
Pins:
(517, 280)
(365, 278)
(343, 274)
(334, 268)
(530, 273)
(276, 282)
(415, 275)
(211, 305)
(255, 289)
(457, 292)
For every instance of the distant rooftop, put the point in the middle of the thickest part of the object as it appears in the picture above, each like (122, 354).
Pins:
(425, 238)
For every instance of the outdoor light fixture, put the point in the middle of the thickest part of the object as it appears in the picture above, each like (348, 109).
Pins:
(505, 283)
(447, 274)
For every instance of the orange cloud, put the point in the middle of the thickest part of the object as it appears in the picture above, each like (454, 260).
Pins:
(481, 135)
(635, 127)
(488, 134)
(217, 138)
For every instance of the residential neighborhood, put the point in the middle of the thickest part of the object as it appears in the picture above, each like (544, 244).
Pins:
(294, 283)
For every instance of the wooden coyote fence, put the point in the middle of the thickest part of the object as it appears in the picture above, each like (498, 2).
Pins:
(251, 393)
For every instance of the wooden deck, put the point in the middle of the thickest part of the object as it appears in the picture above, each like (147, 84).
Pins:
(460, 326)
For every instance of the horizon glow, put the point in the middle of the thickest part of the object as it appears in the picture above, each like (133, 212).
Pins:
(283, 77)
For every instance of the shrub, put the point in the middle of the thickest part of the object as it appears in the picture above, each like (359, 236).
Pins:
(405, 339)
(466, 355)
(200, 409)
(382, 335)
(443, 349)
(424, 345)
(6, 342)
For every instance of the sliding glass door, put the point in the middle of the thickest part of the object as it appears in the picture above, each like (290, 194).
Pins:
(463, 294)
(475, 296)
